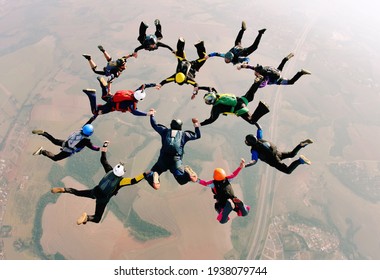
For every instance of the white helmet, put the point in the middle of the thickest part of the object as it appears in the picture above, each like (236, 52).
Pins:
(139, 95)
(119, 170)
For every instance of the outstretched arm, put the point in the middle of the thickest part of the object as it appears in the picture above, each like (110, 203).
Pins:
(160, 44)
(131, 181)
(103, 158)
(237, 170)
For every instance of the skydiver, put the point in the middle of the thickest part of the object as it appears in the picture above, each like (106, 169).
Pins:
(223, 194)
(173, 141)
(107, 187)
(122, 100)
(150, 42)
(74, 144)
(186, 70)
(238, 54)
(268, 152)
(113, 69)
(272, 75)
(225, 103)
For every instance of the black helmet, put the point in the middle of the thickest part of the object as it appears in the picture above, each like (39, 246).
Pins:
(176, 124)
(151, 39)
(229, 56)
(121, 62)
(250, 139)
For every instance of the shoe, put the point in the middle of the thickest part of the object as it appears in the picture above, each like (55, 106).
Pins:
(156, 181)
(192, 174)
(57, 190)
(82, 219)
(102, 81)
(306, 142)
(156, 22)
(101, 48)
(38, 151)
(243, 25)
(89, 90)
(305, 72)
(38, 131)
(199, 43)
(261, 31)
(304, 160)
(289, 56)
(87, 56)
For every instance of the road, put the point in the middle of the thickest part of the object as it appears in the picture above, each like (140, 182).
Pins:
(268, 182)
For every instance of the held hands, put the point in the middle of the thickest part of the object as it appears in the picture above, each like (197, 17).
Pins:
(151, 112)
(195, 122)
(158, 86)
(195, 92)
(105, 146)
(242, 163)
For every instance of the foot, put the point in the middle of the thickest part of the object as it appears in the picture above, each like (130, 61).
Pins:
(89, 91)
(82, 219)
(181, 39)
(156, 181)
(100, 47)
(87, 56)
(38, 151)
(289, 56)
(192, 174)
(305, 72)
(199, 43)
(304, 160)
(57, 190)
(306, 142)
(102, 81)
(261, 31)
(156, 22)
(243, 25)
(38, 131)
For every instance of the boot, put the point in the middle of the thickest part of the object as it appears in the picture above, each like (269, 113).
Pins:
(58, 190)
(306, 142)
(262, 31)
(87, 56)
(156, 181)
(289, 56)
(89, 91)
(304, 160)
(38, 151)
(38, 131)
(82, 219)
(260, 111)
(243, 25)
(101, 48)
(305, 72)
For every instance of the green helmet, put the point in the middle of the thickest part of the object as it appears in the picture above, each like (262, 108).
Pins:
(229, 56)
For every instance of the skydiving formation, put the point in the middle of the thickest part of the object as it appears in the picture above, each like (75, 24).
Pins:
(174, 138)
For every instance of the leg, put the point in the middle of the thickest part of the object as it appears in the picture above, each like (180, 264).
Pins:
(158, 32)
(82, 193)
(287, 169)
(57, 142)
(99, 210)
(201, 50)
(284, 60)
(142, 32)
(91, 94)
(240, 208)
(296, 149)
(57, 157)
(298, 75)
(239, 37)
(253, 47)
(260, 111)
(180, 48)
(224, 213)
(250, 95)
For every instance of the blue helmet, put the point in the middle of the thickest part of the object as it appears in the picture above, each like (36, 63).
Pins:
(88, 130)
(229, 56)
